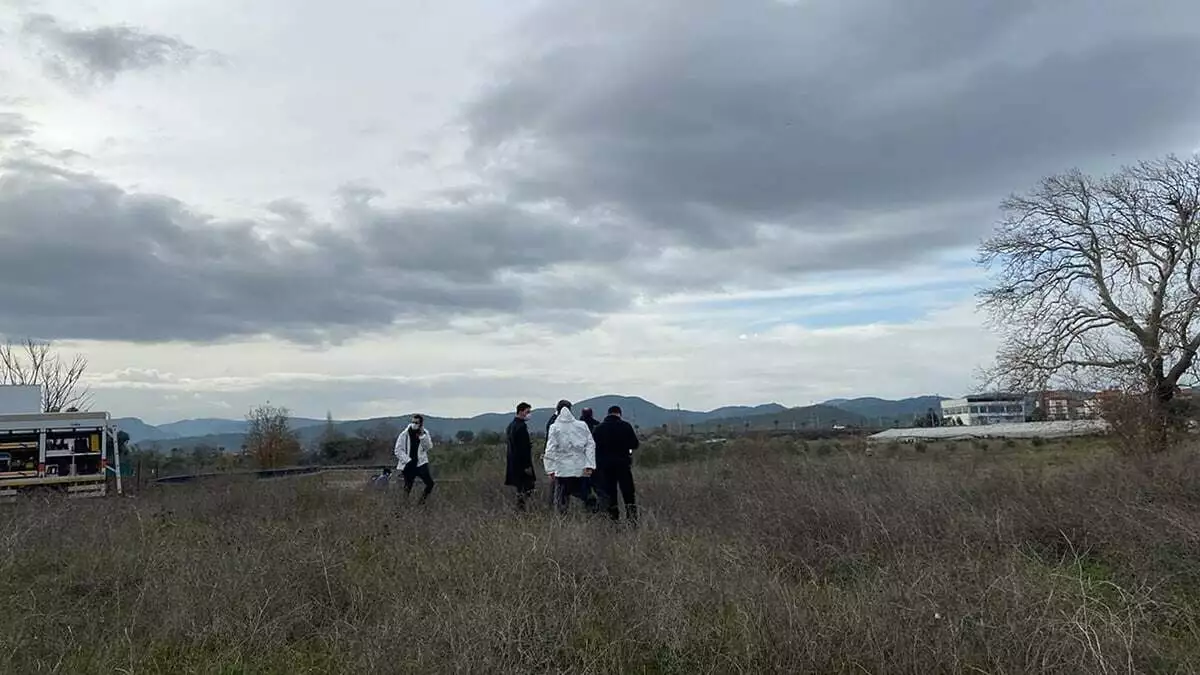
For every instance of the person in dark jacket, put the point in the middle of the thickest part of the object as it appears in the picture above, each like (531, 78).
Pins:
(615, 442)
(586, 485)
(589, 418)
(519, 471)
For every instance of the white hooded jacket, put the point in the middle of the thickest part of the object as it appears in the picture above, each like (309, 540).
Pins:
(402, 447)
(570, 447)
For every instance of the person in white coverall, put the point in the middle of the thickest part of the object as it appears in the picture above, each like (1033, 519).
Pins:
(412, 456)
(570, 455)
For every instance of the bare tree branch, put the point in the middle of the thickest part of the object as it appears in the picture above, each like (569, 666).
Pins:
(1098, 279)
(269, 438)
(34, 362)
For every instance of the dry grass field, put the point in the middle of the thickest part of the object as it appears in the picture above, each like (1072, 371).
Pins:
(756, 557)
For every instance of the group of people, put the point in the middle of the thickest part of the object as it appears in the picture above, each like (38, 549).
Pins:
(582, 455)
(585, 458)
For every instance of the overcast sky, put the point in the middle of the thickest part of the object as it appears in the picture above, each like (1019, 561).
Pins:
(372, 207)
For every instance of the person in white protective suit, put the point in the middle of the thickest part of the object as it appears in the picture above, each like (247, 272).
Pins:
(570, 455)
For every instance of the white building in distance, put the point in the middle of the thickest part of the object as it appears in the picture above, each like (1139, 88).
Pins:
(980, 409)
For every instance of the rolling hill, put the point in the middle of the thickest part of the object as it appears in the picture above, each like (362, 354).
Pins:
(209, 426)
(229, 433)
(140, 432)
(860, 412)
(876, 410)
(808, 417)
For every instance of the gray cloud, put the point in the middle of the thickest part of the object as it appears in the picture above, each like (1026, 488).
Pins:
(628, 148)
(704, 119)
(356, 396)
(13, 124)
(88, 55)
(85, 259)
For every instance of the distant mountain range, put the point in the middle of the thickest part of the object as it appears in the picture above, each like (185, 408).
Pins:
(216, 432)
(886, 411)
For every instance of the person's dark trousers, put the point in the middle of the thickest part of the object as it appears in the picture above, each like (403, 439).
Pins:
(564, 487)
(412, 473)
(612, 478)
(585, 493)
(524, 490)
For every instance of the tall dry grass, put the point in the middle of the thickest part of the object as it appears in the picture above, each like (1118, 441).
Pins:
(765, 558)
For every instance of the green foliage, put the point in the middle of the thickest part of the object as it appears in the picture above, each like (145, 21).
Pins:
(368, 444)
(350, 450)
(490, 437)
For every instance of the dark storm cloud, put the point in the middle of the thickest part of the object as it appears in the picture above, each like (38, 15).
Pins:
(102, 53)
(629, 149)
(82, 258)
(704, 119)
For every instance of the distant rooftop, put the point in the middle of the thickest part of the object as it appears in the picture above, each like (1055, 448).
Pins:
(1053, 429)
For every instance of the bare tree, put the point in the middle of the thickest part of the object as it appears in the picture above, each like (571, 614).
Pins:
(35, 362)
(269, 438)
(1097, 281)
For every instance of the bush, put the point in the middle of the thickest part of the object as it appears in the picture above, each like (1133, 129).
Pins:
(1139, 425)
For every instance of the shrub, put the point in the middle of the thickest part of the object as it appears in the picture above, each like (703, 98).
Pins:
(1140, 425)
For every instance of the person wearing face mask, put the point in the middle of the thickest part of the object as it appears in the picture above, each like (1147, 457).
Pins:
(519, 469)
(412, 456)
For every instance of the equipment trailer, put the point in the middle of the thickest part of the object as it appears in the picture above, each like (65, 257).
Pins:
(64, 452)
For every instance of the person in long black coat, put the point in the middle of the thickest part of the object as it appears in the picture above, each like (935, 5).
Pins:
(519, 469)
